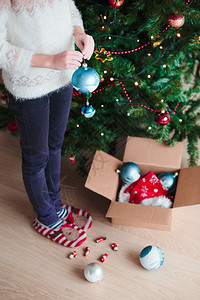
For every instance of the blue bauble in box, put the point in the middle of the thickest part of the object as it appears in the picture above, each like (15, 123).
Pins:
(167, 179)
(129, 172)
(85, 79)
(88, 111)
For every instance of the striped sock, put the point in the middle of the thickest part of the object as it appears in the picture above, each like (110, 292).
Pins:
(62, 213)
(56, 225)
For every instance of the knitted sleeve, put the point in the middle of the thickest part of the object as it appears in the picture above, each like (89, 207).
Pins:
(76, 16)
(13, 59)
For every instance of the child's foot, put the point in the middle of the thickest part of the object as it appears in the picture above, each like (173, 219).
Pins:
(76, 216)
(65, 234)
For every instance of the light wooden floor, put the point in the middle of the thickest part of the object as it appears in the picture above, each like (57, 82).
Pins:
(33, 267)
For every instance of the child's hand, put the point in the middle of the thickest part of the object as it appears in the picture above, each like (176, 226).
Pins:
(68, 59)
(84, 42)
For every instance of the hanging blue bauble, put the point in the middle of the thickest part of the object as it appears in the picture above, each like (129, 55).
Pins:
(85, 79)
(129, 172)
(88, 111)
(167, 179)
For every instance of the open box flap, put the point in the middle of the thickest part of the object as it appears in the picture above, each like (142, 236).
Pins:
(103, 178)
(139, 213)
(151, 153)
(188, 187)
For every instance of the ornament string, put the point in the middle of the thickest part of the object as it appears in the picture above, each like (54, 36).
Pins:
(145, 106)
(129, 99)
(136, 49)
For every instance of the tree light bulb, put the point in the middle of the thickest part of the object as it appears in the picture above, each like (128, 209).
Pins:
(136, 83)
(104, 17)
(149, 76)
(105, 71)
(128, 114)
(102, 105)
(162, 100)
(117, 100)
(149, 54)
(152, 37)
(111, 78)
(102, 134)
(77, 125)
(161, 47)
(103, 27)
(178, 35)
(109, 38)
(149, 127)
(180, 120)
(164, 66)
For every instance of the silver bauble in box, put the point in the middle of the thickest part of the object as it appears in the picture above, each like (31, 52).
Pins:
(88, 111)
(94, 272)
(129, 172)
(85, 79)
(167, 179)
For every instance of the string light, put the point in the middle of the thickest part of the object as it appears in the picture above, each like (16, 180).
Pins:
(105, 71)
(149, 76)
(128, 114)
(117, 100)
(102, 134)
(149, 54)
(178, 35)
(102, 105)
(109, 38)
(141, 105)
(138, 48)
(111, 79)
(129, 100)
(180, 120)
(104, 17)
(136, 83)
(161, 47)
(164, 66)
(103, 27)
(162, 100)
(77, 125)
(152, 37)
(149, 127)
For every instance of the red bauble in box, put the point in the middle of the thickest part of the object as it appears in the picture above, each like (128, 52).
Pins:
(176, 21)
(113, 2)
(162, 118)
(12, 126)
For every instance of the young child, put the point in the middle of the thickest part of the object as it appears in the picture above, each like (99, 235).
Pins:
(38, 59)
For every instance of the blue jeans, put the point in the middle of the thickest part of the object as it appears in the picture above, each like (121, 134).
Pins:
(42, 123)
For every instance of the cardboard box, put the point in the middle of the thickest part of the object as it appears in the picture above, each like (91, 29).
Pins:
(149, 156)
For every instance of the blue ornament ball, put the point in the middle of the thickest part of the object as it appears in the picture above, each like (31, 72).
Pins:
(167, 179)
(85, 79)
(129, 172)
(151, 257)
(88, 111)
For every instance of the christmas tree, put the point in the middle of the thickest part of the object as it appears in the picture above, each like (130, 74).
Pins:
(147, 55)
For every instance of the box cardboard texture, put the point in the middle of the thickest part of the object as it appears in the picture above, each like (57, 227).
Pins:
(149, 156)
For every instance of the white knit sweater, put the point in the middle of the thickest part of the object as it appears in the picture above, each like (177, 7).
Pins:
(30, 27)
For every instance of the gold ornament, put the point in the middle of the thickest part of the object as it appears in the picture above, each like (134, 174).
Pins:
(155, 44)
(108, 56)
